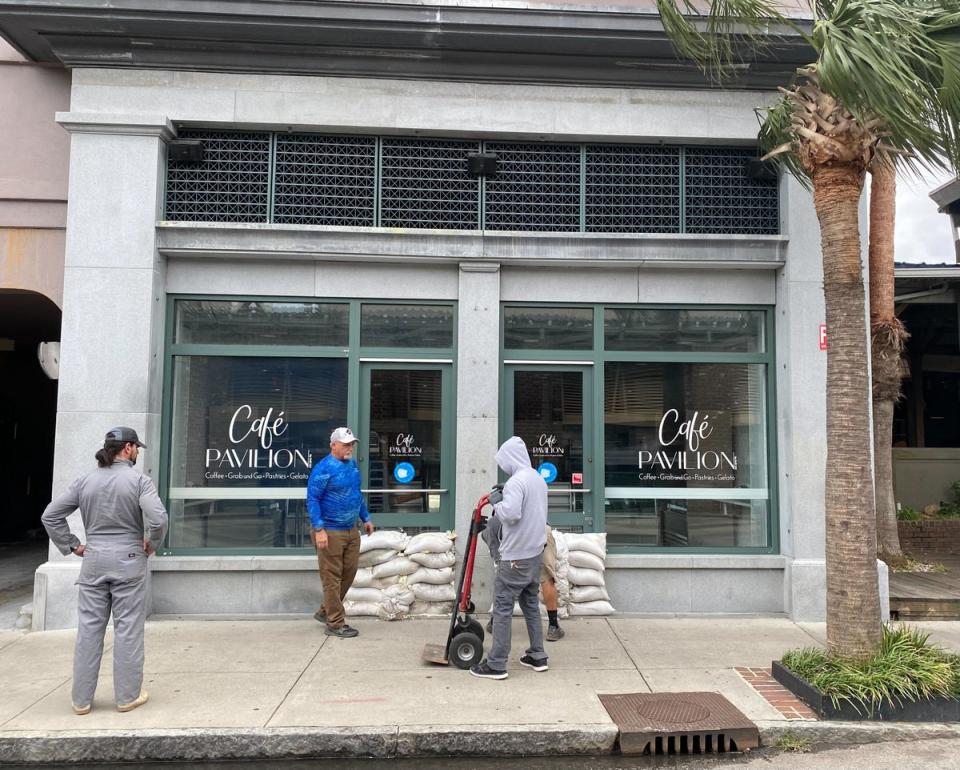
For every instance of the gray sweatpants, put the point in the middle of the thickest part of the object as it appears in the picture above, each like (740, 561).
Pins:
(516, 581)
(112, 580)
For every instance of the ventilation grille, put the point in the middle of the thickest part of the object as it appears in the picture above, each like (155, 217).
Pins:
(228, 185)
(406, 182)
(537, 187)
(325, 180)
(633, 189)
(722, 198)
(425, 184)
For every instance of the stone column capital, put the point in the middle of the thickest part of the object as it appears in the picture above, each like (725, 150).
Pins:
(124, 125)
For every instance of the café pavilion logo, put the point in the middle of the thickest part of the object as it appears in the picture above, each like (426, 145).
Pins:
(404, 445)
(680, 452)
(547, 445)
(262, 461)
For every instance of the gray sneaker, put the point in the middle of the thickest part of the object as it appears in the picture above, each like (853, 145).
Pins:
(554, 633)
(320, 616)
(344, 632)
(490, 626)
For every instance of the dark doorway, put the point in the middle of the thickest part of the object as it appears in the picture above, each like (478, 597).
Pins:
(28, 412)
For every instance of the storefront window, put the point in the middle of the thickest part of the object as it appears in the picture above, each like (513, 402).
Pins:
(256, 387)
(686, 454)
(245, 434)
(218, 322)
(664, 329)
(406, 326)
(548, 328)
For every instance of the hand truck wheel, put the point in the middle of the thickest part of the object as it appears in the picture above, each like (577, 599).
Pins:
(466, 650)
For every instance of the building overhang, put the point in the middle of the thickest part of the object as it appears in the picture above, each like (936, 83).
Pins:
(616, 43)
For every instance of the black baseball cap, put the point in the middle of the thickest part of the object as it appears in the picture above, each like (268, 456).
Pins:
(124, 436)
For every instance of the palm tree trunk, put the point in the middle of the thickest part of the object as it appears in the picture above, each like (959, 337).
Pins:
(887, 337)
(853, 596)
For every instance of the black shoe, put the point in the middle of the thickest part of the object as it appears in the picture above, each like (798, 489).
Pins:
(490, 626)
(554, 633)
(484, 671)
(536, 665)
(320, 616)
(344, 632)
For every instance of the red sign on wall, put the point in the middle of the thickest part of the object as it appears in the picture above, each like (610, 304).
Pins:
(823, 336)
(576, 478)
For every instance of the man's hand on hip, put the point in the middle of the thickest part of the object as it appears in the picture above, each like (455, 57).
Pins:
(368, 527)
(320, 539)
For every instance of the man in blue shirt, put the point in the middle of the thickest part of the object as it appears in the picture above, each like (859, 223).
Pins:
(334, 502)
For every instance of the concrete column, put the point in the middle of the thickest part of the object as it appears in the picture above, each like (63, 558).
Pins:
(478, 388)
(113, 313)
(801, 407)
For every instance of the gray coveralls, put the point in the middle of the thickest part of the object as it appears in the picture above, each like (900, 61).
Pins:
(120, 509)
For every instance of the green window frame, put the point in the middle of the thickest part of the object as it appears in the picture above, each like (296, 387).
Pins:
(356, 357)
(598, 357)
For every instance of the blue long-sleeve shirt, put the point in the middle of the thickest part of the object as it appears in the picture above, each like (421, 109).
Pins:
(334, 500)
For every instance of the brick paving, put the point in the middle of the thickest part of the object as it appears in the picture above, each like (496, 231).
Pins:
(778, 696)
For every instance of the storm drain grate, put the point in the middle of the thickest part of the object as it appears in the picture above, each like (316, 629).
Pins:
(679, 723)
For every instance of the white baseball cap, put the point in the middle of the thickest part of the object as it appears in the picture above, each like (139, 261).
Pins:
(343, 436)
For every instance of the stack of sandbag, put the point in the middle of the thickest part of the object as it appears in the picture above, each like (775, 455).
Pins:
(585, 568)
(432, 583)
(400, 575)
(376, 590)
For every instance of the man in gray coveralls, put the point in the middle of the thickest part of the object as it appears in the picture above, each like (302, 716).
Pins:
(124, 522)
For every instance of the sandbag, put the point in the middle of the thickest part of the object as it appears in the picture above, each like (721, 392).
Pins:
(591, 608)
(364, 594)
(578, 576)
(364, 578)
(428, 592)
(400, 593)
(429, 542)
(435, 576)
(586, 560)
(560, 540)
(379, 556)
(435, 560)
(594, 542)
(386, 582)
(401, 565)
(361, 608)
(384, 539)
(431, 608)
(581, 594)
(392, 611)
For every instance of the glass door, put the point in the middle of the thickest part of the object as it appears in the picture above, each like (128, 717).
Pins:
(406, 444)
(549, 407)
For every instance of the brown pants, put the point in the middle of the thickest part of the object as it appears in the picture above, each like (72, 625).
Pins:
(338, 568)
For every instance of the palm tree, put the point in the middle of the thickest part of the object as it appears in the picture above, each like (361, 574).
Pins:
(887, 339)
(885, 81)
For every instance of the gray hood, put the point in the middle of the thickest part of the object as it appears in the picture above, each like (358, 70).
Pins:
(512, 455)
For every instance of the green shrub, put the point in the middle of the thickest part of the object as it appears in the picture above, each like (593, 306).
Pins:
(906, 668)
(908, 514)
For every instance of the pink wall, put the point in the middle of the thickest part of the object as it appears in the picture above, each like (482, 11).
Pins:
(34, 167)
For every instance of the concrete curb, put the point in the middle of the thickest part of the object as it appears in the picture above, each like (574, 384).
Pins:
(381, 742)
(856, 732)
(36, 747)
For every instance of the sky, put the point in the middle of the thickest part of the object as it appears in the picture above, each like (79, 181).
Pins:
(921, 234)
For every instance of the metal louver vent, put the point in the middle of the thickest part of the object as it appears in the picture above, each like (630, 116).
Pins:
(325, 180)
(537, 187)
(633, 189)
(722, 198)
(415, 182)
(425, 184)
(228, 185)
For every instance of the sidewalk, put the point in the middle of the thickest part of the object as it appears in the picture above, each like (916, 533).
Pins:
(238, 689)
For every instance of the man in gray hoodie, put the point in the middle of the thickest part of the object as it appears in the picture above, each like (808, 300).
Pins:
(522, 510)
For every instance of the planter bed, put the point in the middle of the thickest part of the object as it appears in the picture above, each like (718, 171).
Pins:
(938, 709)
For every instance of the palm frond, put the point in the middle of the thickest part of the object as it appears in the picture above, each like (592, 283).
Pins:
(776, 138)
(899, 61)
(719, 36)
